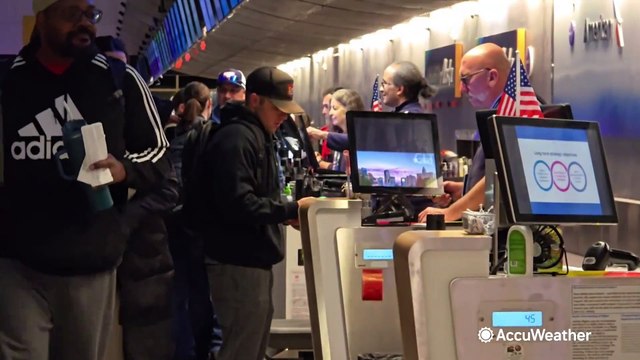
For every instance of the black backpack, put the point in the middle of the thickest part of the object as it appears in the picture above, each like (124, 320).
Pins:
(196, 184)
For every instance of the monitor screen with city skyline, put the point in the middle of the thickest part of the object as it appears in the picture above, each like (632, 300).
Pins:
(394, 153)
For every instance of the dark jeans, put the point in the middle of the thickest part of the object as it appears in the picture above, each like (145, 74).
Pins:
(146, 341)
(196, 329)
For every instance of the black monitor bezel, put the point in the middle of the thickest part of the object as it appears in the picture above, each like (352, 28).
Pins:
(354, 116)
(506, 178)
(485, 132)
(307, 146)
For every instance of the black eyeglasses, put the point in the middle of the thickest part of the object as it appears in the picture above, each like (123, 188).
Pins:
(74, 14)
(384, 83)
(465, 79)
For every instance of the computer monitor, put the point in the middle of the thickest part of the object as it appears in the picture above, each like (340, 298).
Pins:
(306, 149)
(394, 153)
(307, 152)
(553, 111)
(553, 171)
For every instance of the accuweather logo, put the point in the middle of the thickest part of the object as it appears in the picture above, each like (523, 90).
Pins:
(487, 335)
(40, 140)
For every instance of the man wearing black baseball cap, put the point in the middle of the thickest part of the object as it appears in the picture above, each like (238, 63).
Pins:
(244, 237)
(275, 85)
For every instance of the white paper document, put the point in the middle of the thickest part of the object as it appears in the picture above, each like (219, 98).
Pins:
(95, 149)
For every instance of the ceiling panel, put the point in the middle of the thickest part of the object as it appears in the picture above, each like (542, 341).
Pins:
(265, 32)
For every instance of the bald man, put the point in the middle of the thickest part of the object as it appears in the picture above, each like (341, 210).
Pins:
(483, 75)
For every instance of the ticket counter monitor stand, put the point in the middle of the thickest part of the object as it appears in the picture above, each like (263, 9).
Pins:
(351, 280)
(458, 312)
(544, 317)
(426, 262)
(318, 225)
(343, 324)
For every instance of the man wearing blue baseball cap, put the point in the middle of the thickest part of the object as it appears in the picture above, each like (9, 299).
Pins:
(231, 87)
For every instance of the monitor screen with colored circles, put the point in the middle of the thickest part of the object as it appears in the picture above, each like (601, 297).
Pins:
(553, 171)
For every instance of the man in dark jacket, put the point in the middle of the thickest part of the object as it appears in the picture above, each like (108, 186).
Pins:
(245, 237)
(402, 86)
(57, 254)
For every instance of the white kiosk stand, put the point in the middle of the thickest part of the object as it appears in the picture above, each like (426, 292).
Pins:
(459, 313)
(344, 322)
(426, 262)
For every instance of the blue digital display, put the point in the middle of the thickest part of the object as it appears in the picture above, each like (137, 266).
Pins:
(516, 319)
(207, 13)
(218, 10)
(377, 254)
(196, 24)
(182, 27)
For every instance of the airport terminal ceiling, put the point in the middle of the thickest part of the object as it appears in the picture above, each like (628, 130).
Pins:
(267, 32)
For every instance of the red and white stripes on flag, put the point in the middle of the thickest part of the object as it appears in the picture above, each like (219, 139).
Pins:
(519, 98)
(375, 98)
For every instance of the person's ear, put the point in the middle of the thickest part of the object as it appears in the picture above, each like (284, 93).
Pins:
(254, 100)
(400, 91)
(493, 76)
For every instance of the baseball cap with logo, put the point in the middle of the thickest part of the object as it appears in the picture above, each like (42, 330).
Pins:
(233, 77)
(39, 5)
(276, 85)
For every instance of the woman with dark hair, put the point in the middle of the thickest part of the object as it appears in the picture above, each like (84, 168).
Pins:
(196, 97)
(197, 329)
(196, 107)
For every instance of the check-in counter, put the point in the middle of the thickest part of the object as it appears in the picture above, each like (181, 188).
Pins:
(460, 313)
(350, 281)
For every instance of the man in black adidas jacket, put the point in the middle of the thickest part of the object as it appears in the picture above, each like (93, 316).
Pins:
(244, 237)
(57, 257)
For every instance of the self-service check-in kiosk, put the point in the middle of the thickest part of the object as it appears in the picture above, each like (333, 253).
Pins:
(341, 260)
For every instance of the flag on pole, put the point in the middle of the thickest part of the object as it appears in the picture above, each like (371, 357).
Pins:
(518, 98)
(375, 99)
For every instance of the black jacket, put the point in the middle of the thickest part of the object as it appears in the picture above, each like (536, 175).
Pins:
(246, 211)
(45, 220)
(145, 276)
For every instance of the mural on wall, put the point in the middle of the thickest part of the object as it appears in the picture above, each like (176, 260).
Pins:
(510, 41)
(442, 67)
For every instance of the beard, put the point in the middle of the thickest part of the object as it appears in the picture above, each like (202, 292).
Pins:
(71, 49)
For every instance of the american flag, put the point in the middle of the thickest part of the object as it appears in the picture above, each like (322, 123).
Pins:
(518, 98)
(375, 99)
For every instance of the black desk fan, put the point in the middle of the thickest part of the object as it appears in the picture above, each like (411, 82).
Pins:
(548, 247)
